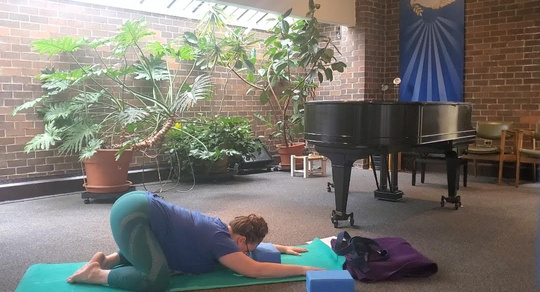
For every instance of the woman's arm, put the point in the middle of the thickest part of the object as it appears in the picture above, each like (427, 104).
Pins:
(244, 265)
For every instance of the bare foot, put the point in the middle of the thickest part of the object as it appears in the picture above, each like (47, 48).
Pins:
(91, 273)
(110, 261)
(98, 258)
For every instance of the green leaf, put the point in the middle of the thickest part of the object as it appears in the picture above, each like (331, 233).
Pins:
(57, 111)
(327, 55)
(28, 104)
(132, 115)
(271, 39)
(339, 66)
(152, 68)
(238, 64)
(44, 141)
(191, 38)
(90, 149)
(321, 78)
(285, 27)
(287, 13)
(264, 97)
(129, 35)
(329, 74)
(279, 67)
(249, 65)
(156, 48)
(250, 77)
(62, 44)
(186, 53)
(76, 136)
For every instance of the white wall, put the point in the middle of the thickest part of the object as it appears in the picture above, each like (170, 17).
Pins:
(340, 12)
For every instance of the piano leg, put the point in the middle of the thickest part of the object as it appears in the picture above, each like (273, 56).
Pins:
(452, 164)
(341, 175)
(388, 192)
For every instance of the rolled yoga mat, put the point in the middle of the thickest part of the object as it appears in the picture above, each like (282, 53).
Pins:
(52, 277)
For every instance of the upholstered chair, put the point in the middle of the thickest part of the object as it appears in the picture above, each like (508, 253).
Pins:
(492, 144)
(526, 149)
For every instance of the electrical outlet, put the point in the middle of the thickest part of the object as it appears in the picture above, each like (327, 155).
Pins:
(488, 143)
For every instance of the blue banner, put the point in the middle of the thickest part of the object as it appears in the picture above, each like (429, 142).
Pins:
(431, 50)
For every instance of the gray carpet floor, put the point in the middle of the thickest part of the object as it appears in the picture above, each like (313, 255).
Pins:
(488, 245)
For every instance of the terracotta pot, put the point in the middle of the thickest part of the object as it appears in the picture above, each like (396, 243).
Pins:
(285, 153)
(104, 174)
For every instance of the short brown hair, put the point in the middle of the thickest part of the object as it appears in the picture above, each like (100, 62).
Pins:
(253, 227)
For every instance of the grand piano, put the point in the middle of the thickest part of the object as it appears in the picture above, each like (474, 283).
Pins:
(345, 131)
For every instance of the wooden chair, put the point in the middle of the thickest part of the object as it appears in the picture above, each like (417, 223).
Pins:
(528, 154)
(484, 150)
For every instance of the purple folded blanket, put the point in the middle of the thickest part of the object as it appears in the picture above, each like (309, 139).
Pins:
(402, 261)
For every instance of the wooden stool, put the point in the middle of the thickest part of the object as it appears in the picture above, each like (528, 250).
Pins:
(307, 163)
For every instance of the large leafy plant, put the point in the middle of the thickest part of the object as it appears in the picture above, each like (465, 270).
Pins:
(200, 143)
(125, 92)
(296, 59)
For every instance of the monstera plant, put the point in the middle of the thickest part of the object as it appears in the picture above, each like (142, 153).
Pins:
(296, 57)
(121, 93)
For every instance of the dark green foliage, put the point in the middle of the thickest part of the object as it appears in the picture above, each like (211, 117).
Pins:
(205, 142)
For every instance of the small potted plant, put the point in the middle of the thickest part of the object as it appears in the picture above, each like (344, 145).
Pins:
(297, 58)
(209, 147)
(121, 96)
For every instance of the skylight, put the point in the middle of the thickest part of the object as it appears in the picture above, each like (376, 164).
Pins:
(193, 9)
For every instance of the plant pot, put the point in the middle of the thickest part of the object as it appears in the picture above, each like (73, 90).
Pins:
(285, 153)
(104, 174)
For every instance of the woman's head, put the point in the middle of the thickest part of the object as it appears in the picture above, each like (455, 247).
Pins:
(252, 227)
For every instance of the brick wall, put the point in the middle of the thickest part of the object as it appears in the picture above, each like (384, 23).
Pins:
(22, 22)
(502, 59)
(502, 65)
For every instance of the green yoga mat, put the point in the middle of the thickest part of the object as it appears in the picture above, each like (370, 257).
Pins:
(52, 277)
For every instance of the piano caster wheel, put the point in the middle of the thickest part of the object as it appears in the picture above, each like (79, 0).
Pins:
(456, 201)
(329, 187)
(87, 201)
(335, 220)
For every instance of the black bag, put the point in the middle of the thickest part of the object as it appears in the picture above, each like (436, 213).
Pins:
(387, 258)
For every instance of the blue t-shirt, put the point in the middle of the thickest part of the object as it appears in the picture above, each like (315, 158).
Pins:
(191, 241)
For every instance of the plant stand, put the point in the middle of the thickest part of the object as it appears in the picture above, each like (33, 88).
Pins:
(106, 196)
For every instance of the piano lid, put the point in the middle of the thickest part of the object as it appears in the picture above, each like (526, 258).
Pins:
(351, 123)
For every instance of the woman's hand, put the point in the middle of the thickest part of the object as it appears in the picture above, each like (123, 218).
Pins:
(294, 250)
(307, 268)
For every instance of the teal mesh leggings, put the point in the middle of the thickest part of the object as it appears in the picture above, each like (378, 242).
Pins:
(143, 266)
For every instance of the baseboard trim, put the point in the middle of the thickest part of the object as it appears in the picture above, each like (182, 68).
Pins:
(53, 186)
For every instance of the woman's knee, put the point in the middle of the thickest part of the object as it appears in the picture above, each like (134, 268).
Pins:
(161, 283)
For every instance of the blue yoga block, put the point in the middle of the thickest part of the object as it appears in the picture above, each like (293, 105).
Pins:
(266, 252)
(329, 281)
